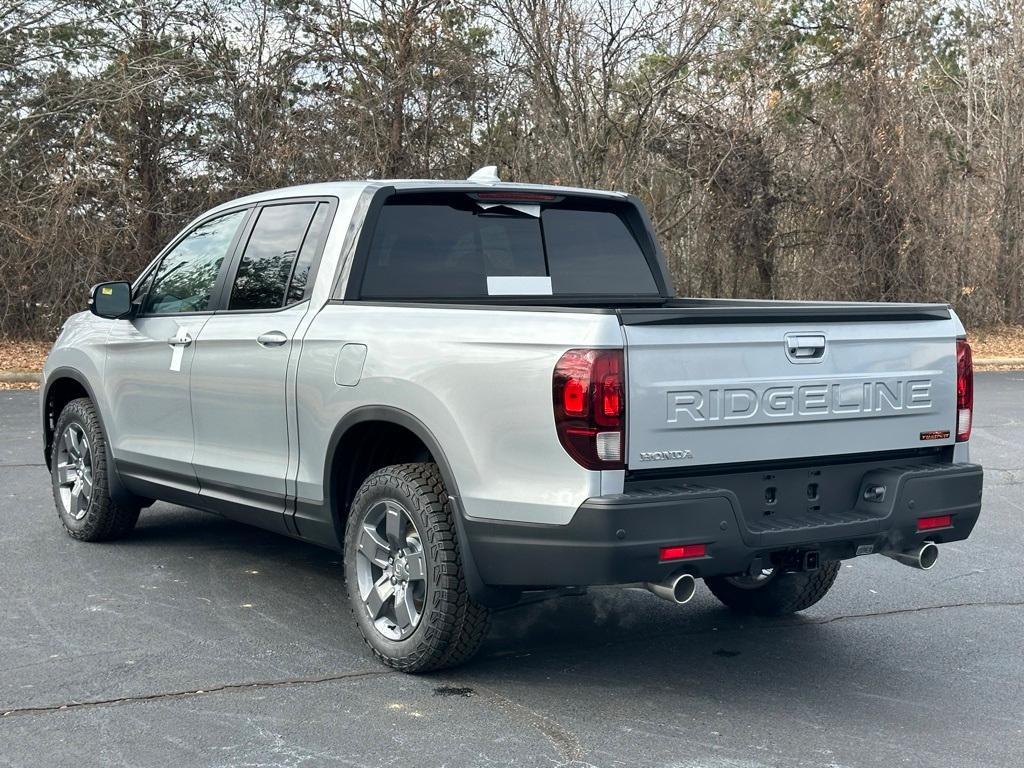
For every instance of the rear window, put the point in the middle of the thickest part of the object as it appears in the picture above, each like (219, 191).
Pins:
(452, 247)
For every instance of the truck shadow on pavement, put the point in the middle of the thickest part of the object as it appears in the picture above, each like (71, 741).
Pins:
(607, 630)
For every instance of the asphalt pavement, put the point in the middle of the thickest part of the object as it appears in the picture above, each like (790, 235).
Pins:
(202, 642)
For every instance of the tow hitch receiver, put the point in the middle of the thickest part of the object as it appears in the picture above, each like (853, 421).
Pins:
(797, 560)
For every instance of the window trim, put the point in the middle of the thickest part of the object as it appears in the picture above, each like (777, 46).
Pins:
(217, 283)
(224, 297)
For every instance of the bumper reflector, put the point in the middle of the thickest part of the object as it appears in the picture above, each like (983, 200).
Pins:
(931, 523)
(682, 552)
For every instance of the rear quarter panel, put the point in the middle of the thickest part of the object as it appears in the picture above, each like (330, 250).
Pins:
(478, 378)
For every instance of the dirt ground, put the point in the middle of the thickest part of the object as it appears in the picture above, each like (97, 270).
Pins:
(1004, 341)
(987, 343)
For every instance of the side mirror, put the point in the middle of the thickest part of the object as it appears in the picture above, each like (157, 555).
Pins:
(111, 300)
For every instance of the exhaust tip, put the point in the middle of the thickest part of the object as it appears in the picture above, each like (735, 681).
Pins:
(683, 588)
(922, 557)
(927, 555)
(676, 589)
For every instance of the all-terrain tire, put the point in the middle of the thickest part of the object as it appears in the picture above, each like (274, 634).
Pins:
(781, 594)
(451, 627)
(104, 519)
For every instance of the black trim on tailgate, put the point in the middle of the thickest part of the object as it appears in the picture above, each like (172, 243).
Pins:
(703, 311)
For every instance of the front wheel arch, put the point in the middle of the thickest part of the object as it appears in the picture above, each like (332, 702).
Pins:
(60, 389)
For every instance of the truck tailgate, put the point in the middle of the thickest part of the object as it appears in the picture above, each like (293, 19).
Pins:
(719, 392)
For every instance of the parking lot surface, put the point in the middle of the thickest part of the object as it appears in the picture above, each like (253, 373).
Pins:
(201, 642)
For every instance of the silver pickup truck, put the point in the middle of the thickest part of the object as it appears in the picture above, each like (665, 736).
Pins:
(480, 391)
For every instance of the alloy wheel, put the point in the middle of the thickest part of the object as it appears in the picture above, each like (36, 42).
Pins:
(74, 471)
(391, 569)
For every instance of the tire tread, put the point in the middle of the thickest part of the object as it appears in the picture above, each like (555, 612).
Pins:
(454, 626)
(106, 519)
(785, 594)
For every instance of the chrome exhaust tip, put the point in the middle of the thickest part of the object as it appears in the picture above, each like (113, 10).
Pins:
(677, 589)
(923, 557)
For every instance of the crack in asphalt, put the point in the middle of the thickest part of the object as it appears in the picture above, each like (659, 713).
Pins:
(564, 741)
(919, 609)
(253, 685)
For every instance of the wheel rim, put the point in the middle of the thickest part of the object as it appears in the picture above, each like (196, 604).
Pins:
(74, 471)
(391, 570)
(748, 581)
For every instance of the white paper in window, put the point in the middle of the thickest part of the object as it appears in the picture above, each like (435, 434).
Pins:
(519, 285)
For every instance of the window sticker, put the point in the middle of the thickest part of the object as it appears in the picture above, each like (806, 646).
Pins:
(519, 285)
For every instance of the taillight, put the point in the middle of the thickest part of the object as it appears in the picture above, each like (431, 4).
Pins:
(590, 406)
(964, 390)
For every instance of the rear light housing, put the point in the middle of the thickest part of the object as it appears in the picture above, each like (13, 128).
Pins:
(512, 196)
(588, 389)
(964, 390)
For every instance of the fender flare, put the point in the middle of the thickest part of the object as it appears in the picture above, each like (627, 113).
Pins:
(480, 592)
(116, 487)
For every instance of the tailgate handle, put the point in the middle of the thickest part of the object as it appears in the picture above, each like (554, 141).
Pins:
(805, 347)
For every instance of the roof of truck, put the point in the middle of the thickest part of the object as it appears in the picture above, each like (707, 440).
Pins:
(346, 188)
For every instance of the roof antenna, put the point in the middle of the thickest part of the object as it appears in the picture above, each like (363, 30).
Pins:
(486, 175)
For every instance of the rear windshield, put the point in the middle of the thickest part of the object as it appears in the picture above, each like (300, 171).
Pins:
(454, 246)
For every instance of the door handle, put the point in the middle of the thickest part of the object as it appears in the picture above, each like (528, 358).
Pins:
(806, 347)
(182, 339)
(271, 339)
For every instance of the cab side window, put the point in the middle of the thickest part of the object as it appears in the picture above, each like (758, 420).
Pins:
(186, 277)
(275, 264)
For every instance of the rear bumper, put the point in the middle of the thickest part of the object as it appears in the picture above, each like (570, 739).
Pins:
(617, 539)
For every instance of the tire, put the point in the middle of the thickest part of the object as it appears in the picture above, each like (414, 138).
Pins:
(403, 572)
(78, 474)
(779, 594)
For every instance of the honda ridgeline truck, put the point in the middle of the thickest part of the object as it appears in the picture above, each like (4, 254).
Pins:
(481, 390)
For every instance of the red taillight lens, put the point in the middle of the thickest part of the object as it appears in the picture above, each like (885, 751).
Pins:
(590, 406)
(683, 552)
(964, 390)
(931, 523)
(574, 397)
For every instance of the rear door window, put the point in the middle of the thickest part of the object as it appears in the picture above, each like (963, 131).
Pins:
(270, 255)
(301, 283)
(447, 246)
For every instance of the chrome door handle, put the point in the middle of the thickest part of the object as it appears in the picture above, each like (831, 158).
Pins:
(805, 347)
(182, 340)
(271, 339)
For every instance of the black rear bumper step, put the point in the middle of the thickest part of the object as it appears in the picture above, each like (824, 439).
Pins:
(616, 539)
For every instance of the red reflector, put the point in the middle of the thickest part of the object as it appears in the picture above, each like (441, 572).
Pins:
(930, 523)
(683, 552)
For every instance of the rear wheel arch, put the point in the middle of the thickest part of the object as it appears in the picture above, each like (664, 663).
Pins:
(351, 458)
(368, 439)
